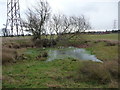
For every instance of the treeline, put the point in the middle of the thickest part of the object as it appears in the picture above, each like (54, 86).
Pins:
(102, 32)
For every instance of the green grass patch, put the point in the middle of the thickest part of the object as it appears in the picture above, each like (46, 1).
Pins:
(101, 37)
(58, 73)
(104, 52)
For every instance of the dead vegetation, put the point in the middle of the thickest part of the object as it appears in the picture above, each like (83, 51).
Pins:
(103, 73)
(94, 72)
(108, 42)
(8, 55)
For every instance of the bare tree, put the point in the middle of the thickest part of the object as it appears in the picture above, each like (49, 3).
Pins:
(80, 24)
(72, 26)
(56, 21)
(65, 24)
(61, 25)
(37, 17)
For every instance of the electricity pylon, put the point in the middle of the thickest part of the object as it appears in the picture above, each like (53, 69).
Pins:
(13, 23)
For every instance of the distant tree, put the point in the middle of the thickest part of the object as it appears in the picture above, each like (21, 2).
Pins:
(80, 23)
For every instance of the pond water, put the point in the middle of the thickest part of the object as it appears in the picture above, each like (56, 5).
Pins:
(71, 52)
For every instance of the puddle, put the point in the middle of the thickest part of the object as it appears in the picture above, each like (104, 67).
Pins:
(71, 52)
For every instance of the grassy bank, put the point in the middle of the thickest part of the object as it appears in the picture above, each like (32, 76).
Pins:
(32, 71)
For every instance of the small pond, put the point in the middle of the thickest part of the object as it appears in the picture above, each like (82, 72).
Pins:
(71, 52)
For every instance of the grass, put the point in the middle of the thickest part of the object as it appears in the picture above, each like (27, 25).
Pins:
(96, 72)
(32, 72)
(65, 73)
(101, 37)
(104, 52)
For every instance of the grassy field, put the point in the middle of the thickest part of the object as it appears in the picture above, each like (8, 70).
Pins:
(102, 37)
(88, 37)
(32, 72)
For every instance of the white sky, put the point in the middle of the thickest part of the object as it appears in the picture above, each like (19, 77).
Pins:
(101, 13)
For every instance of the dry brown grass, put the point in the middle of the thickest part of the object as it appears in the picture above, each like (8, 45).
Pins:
(8, 55)
(112, 67)
(113, 84)
(17, 42)
(108, 42)
(104, 73)
(54, 86)
(18, 45)
(94, 72)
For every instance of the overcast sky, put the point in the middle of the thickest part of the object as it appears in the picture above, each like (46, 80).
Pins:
(101, 13)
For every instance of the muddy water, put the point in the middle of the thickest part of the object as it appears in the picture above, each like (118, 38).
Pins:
(71, 52)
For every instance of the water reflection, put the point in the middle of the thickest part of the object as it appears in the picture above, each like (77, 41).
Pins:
(71, 52)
